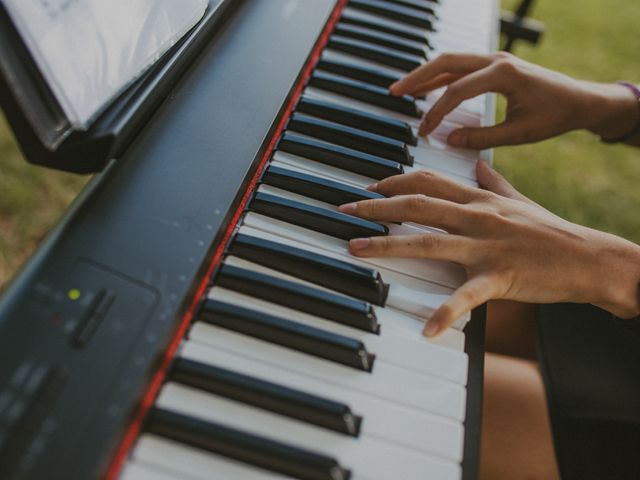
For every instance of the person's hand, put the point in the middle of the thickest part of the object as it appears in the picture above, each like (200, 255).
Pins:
(540, 103)
(511, 247)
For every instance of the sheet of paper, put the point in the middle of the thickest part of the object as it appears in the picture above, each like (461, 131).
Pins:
(91, 50)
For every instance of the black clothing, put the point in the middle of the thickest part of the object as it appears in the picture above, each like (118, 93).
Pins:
(590, 362)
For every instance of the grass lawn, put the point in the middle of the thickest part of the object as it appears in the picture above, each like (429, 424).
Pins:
(574, 176)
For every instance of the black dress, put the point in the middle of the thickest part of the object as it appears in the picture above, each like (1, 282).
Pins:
(590, 363)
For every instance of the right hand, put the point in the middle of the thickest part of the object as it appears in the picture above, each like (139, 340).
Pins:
(510, 247)
(541, 103)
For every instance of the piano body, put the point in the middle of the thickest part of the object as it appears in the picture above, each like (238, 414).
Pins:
(196, 314)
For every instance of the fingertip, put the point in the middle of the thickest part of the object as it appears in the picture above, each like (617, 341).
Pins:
(395, 87)
(431, 328)
(358, 244)
(373, 187)
(458, 138)
(426, 126)
(349, 208)
(483, 171)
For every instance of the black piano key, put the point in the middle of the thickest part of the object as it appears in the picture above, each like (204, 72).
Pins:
(328, 305)
(383, 39)
(381, 125)
(357, 72)
(315, 187)
(354, 138)
(375, 53)
(365, 92)
(321, 220)
(425, 6)
(340, 157)
(245, 447)
(407, 15)
(386, 27)
(353, 280)
(296, 336)
(270, 396)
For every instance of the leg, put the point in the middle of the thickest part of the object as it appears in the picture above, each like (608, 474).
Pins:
(516, 432)
(511, 329)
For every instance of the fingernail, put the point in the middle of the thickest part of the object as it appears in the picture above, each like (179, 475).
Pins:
(430, 328)
(358, 244)
(348, 208)
(458, 139)
(373, 187)
(425, 127)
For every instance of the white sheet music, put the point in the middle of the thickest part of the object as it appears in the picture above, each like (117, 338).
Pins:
(91, 50)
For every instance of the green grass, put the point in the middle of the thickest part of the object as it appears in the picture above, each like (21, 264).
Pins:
(574, 175)
(31, 201)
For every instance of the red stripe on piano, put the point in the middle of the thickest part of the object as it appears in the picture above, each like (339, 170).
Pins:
(133, 430)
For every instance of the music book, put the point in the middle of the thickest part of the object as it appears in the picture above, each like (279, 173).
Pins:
(82, 75)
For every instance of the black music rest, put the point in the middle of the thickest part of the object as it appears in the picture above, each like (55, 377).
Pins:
(43, 131)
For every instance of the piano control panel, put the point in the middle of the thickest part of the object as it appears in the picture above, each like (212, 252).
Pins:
(72, 326)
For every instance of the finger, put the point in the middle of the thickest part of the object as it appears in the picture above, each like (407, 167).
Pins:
(510, 132)
(421, 209)
(434, 246)
(425, 183)
(475, 292)
(482, 81)
(491, 180)
(445, 63)
(437, 82)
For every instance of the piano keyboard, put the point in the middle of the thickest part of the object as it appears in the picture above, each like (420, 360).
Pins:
(197, 314)
(304, 362)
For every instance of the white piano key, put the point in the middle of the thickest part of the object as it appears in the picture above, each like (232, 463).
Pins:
(471, 108)
(394, 229)
(333, 173)
(413, 306)
(458, 116)
(437, 140)
(283, 159)
(397, 281)
(382, 419)
(185, 462)
(467, 42)
(368, 457)
(134, 470)
(385, 381)
(443, 273)
(468, 113)
(320, 170)
(441, 160)
(354, 12)
(399, 342)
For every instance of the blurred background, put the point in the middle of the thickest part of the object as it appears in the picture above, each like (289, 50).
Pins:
(574, 176)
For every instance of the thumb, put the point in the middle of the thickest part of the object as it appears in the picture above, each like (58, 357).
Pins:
(491, 180)
(510, 132)
(475, 292)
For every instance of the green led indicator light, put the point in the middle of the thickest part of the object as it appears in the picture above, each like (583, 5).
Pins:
(74, 294)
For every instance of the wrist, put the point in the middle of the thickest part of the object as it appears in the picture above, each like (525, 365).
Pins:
(611, 110)
(617, 276)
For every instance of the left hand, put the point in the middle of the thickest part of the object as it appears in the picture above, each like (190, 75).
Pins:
(511, 247)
